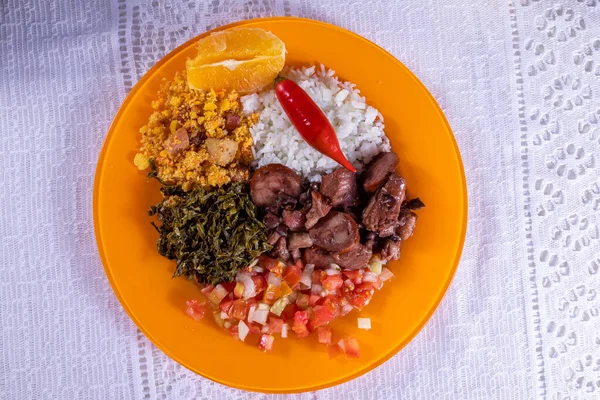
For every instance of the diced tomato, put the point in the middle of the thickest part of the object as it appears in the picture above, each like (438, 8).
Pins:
(275, 325)
(259, 284)
(299, 326)
(313, 299)
(225, 306)
(292, 275)
(218, 294)
(207, 289)
(351, 348)
(254, 328)
(317, 275)
(289, 311)
(302, 300)
(322, 315)
(278, 269)
(300, 318)
(332, 282)
(249, 303)
(364, 287)
(355, 276)
(229, 286)
(271, 294)
(195, 309)
(266, 342)
(333, 303)
(301, 331)
(268, 263)
(300, 264)
(324, 335)
(239, 309)
(359, 300)
(233, 329)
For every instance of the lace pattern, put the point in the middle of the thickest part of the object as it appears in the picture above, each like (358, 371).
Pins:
(559, 92)
(519, 81)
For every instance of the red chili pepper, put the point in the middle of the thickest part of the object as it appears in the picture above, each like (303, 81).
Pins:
(310, 121)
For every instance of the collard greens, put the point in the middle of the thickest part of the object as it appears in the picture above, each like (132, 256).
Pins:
(211, 234)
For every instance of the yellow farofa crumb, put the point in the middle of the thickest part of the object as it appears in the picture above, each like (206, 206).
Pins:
(141, 161)
(203, 115)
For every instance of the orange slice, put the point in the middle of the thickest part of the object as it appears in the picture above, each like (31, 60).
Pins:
(241, 59)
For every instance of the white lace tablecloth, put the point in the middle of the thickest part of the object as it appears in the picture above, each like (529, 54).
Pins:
(519, 81)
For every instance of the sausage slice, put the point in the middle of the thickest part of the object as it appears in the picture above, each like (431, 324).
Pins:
(355, 258)
(378, 171)
(271, 181)
(336, 232)
(383, 209)
(340, 187)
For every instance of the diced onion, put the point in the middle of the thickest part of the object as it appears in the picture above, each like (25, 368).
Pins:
(249, 286)
(292, 296)
(279, 306)
(364, 323)
(274, 279)
(307, 275)
(263, 306)
(242, 276)
(218, 318)
(227, 324)
(218, 294)
(265, 329)
(251, 313)
(369, 277)
(258, 268)
(349, 284)
(260, 316)
(243, 330)
(346, 308)
(316, 289)
(249, 289)
(375, 264)
(332, 270)
(224, 315)
(385, 275)
(284, 330)
(341, 344)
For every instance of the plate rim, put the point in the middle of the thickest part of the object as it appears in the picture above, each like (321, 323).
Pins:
(100, 245)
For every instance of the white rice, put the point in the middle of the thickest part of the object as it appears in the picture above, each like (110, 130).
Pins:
(359, 127)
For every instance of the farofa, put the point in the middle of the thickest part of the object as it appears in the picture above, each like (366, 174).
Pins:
(203, 115)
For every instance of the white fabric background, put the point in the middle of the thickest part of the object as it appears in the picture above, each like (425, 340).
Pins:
(519, 83)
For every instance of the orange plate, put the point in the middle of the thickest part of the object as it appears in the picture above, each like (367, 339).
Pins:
(429, 160)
